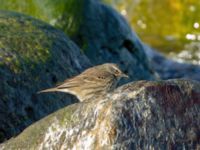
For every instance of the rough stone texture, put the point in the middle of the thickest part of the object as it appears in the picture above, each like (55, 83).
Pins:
(33, 56)
(139, 115)
(105, 36)
(169, 69)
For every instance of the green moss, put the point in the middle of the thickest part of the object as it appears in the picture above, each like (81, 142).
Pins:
(23, 43)
(74, 16)
(64, 14)
(67, 115)
(84, 45)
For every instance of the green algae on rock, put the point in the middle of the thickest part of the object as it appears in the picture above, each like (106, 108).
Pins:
(23, 41)
(137, 115)
(33, 56)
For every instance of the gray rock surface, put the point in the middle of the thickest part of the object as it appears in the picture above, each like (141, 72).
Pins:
(33, 56)
(170, 69)
(105, 36)
(138, 115)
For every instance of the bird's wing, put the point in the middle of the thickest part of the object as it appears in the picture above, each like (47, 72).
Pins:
(89, 76)
(95, 75)
(69, 83)
(75, 82)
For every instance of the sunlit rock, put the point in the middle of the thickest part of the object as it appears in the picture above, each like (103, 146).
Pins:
(139, 115)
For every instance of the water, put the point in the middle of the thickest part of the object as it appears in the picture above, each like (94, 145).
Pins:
(190, 53)
(171, 27)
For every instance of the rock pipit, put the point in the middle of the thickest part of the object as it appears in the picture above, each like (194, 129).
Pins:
(94, 81)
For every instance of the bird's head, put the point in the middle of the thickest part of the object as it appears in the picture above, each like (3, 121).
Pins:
(115, 70)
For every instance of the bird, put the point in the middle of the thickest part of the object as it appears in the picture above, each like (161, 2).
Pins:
(94, 81)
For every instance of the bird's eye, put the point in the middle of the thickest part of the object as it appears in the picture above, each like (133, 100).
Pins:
(117, 72)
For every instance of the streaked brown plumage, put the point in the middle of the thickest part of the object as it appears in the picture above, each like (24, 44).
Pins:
(94, 81)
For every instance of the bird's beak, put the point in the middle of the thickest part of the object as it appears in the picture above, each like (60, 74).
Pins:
(124, 75)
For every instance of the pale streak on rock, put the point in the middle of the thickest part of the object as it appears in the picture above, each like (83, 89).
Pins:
(52, 137)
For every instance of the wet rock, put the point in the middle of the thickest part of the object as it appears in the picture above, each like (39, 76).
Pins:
(33, 56)
(105, 36)
(138, 115)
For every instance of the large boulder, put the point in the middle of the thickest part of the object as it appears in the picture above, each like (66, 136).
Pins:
(105, 36)
(33, 56)
(138, 115)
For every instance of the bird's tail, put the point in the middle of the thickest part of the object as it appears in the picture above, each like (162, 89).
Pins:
(48, 90)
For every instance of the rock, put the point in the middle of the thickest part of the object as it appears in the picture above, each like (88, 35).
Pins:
(33, 56)
(138, 115)
(105, 36)
(170, 69)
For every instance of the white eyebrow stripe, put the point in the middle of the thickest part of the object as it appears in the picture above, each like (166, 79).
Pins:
(116, 67)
